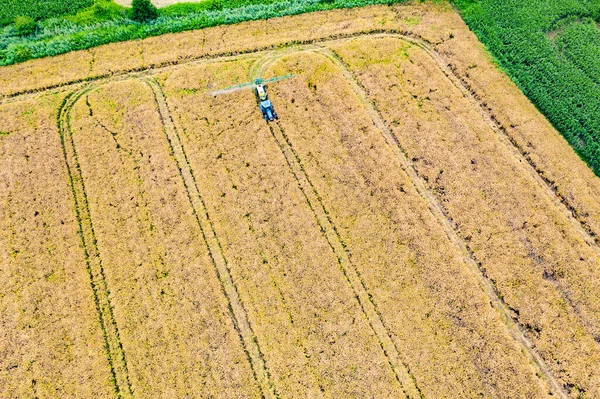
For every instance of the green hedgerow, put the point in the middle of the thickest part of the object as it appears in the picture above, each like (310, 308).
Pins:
(143, 11)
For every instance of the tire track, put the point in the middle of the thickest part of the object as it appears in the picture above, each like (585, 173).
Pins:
(335, 241)
(237, 311)
(591, 237)
(562, 203)
(438, 211)
(100, 291)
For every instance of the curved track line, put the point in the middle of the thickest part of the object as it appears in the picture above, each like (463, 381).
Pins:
(238, 313)
(437, 210)
(331, 234)
(591, 237)
(562, 203)
(110, 331)
(196, 60)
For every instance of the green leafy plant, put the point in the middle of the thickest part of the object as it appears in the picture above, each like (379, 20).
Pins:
(39, 9)
(25, 25)
(101, 11)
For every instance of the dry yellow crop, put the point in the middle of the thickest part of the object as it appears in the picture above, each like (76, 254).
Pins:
(522, 239)
(309, 326)
(50, 338)
(174, 325)
(410, 227)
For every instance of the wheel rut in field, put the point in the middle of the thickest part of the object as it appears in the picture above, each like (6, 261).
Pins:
(335, 241)
(550, 188)
(578, 221)
(238, 313)
(100, 291)
(438, 212)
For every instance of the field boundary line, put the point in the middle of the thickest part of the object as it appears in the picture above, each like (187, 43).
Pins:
(236, 307)
(101, 294)
(335, 241)
(438, 212)
(144, 71)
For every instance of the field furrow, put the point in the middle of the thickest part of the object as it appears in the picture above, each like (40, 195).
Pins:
(47, 313)
(239, 314)
(539, 262)
(110, 330)
(427, 295)
(338, 246)
(315, 338)
(174, 322)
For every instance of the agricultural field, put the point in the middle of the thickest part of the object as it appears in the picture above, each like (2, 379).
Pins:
(411, 225)
(552, 51)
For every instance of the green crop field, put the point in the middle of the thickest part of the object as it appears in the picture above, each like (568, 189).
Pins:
(38, 9)
(551, 50)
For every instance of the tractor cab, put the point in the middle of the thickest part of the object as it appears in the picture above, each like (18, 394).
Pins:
(260, 90)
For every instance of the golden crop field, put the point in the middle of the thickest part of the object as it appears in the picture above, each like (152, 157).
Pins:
(411, 226)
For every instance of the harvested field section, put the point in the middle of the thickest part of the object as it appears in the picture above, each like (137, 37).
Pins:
(541, 145)
(540, 264)
(47, 313)
(174, 323)
(453, 341)
(315, 339)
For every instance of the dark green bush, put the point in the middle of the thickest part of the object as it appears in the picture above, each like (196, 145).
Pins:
(25, 25)
(143, 11)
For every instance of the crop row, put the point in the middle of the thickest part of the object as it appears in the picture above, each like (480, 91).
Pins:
(37, 9)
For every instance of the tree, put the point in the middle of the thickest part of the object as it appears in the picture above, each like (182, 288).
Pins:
(143, 11)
